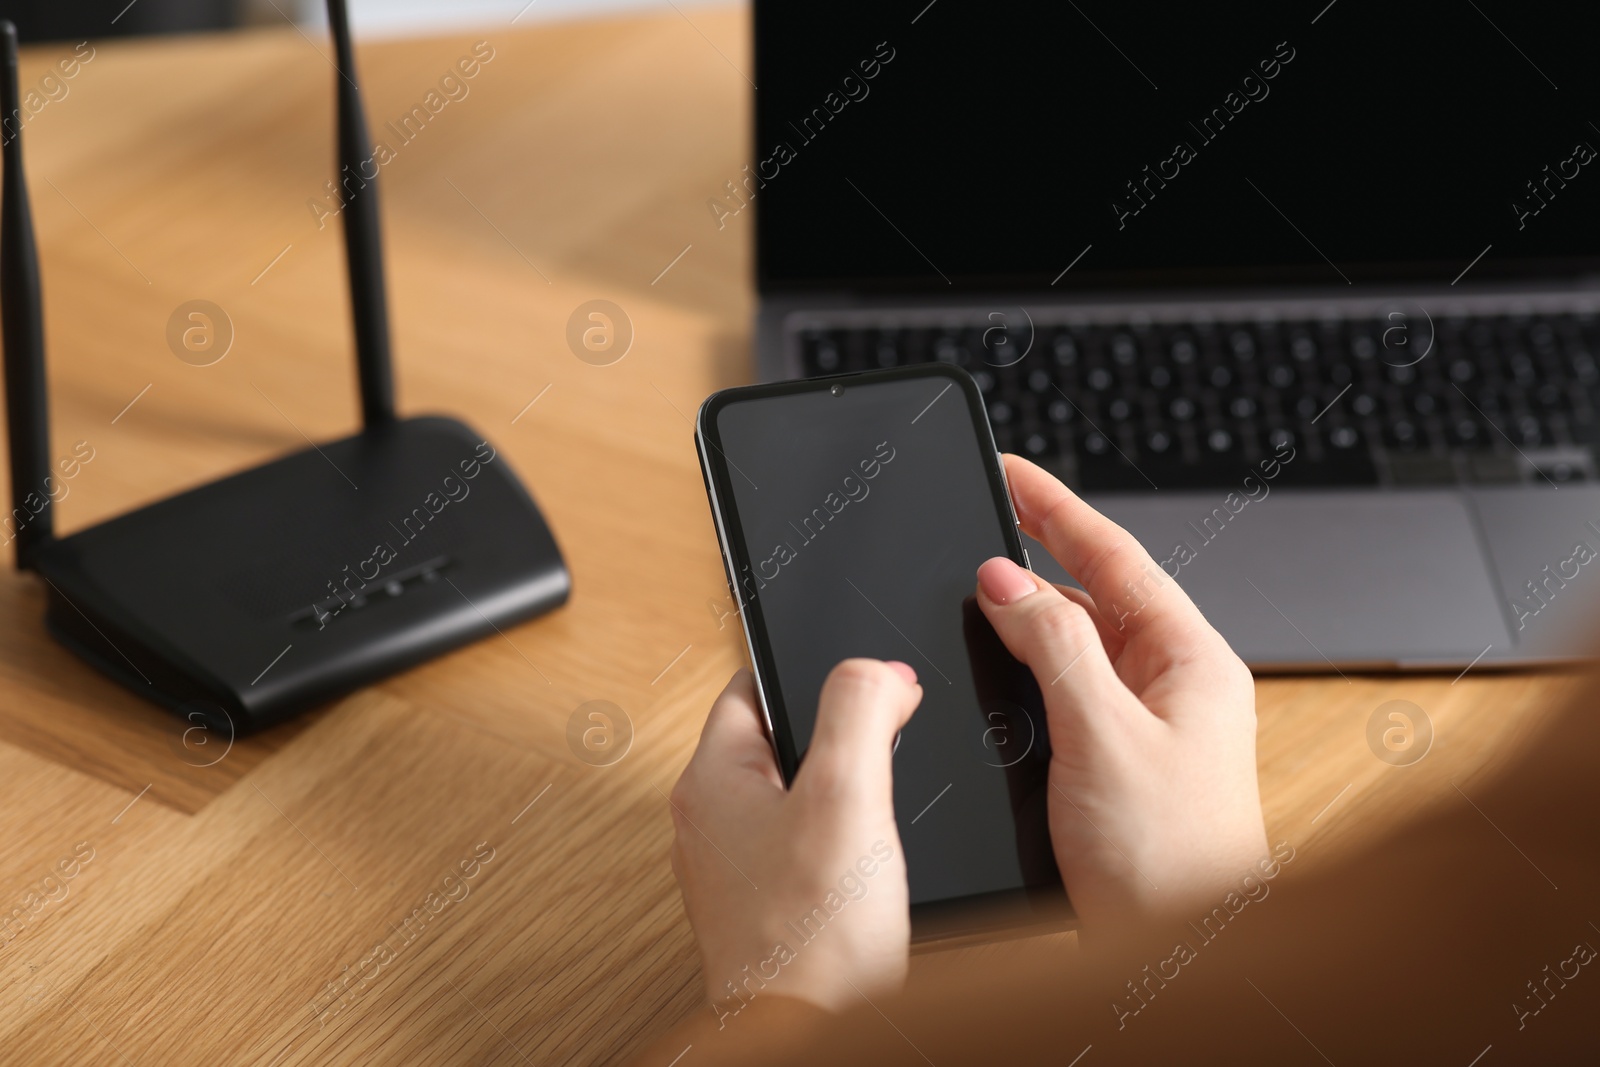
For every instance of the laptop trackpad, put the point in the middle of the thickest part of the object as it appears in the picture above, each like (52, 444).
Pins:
(1545, 545)
(1309, 579)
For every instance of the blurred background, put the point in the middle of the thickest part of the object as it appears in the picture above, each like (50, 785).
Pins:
(49, 20)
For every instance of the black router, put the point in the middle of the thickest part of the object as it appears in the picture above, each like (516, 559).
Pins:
(245, 601)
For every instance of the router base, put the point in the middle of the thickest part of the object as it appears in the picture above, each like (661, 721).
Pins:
(245, 601)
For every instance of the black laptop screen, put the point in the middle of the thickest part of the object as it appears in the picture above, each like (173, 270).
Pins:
(936, 146)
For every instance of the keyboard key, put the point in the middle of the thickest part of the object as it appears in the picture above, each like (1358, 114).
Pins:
(1420, 468)
(1583, 367)
(1493, 468)
(1124, 350)
(1335, 467)
(1467, 432)
(1401, 433)
(1111, 471)
(916, 346)
(1562, 471)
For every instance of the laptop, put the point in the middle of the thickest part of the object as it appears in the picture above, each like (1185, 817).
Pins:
(1307, 300)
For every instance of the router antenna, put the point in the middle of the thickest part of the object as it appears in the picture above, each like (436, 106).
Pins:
(358, 188)
(22, 324)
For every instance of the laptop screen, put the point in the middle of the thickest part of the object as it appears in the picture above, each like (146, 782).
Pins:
(916, 146)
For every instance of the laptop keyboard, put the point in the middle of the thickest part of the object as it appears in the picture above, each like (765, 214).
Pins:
(1496, 399)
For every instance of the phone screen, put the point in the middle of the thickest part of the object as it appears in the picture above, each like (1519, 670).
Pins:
(855, 512)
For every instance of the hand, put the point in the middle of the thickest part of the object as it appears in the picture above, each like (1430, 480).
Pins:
(799, 892)
(1153, 794)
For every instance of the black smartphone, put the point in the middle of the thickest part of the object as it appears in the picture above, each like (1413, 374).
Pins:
(853, 512)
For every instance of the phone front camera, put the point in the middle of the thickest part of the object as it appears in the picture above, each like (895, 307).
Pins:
(836, 389)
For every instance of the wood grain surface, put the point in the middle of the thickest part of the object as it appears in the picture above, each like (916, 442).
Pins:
(304, 896)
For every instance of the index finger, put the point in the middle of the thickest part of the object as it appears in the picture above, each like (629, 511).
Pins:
(1134, 595)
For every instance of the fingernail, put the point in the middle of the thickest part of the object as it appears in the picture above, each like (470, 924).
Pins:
(904, 670)
(1003, 582)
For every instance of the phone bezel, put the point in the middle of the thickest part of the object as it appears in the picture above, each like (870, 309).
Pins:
(1016, 907)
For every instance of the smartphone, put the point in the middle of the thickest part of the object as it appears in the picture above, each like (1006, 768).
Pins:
(853, 512)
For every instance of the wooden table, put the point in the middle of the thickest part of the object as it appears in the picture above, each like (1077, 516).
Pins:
(216, 893)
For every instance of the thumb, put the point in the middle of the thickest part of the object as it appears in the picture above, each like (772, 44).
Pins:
(1055, 636)
(864, 703)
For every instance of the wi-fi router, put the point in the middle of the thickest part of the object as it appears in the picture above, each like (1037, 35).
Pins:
(245, 601)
